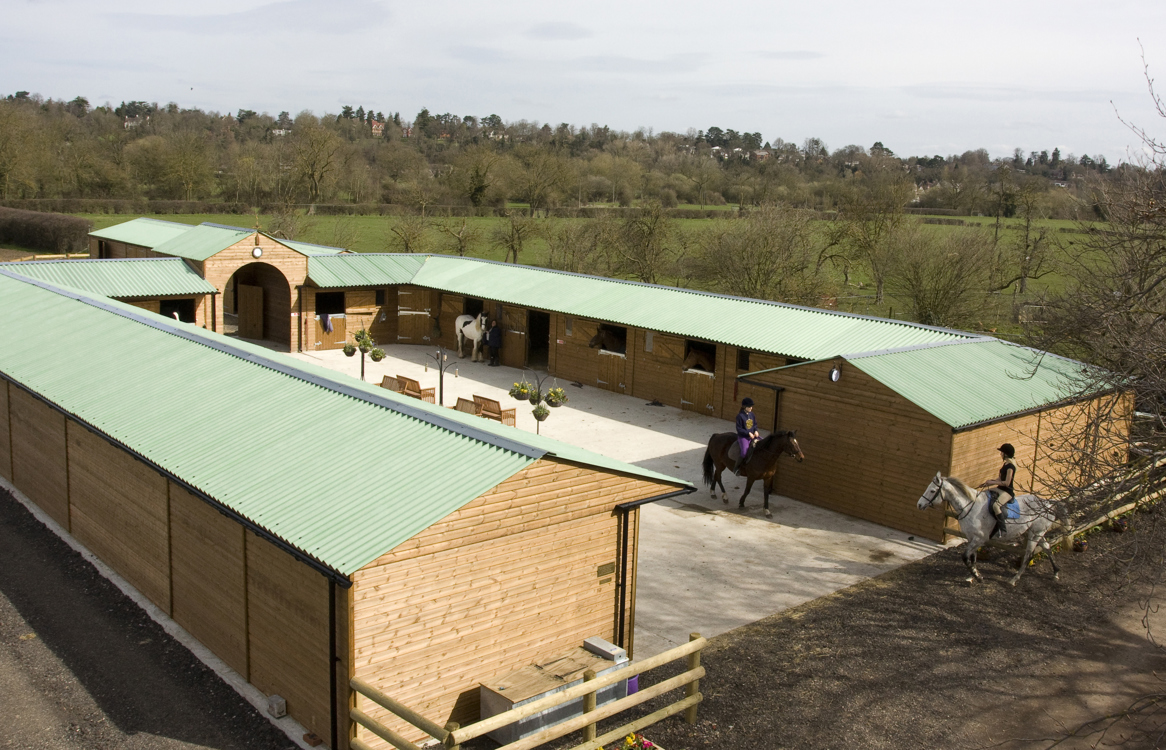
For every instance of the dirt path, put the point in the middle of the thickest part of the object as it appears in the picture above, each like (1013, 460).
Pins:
(81, 666)
(918, 658)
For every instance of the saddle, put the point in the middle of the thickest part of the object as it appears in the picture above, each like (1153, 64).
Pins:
(1012, 510)
(734, 452)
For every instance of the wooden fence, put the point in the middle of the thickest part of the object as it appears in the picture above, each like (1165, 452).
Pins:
(451, 735)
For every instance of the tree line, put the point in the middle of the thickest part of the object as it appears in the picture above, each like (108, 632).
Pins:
(69, 149)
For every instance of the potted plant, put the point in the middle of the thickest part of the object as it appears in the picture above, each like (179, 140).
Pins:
(376, 355)
(349, 349)
(364, 341)
(556, 397)
(540, 412)
(521, 391)
(534, 397)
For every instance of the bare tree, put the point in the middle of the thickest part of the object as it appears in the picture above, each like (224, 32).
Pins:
(316, 148)
(577, 245)
(943, 278)
(512, 234)
(646, 243)
(287, 223)
(460, 235)
(408, 234)
(770, 254)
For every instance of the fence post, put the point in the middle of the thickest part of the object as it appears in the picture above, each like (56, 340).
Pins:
(451, 727)
(693, 687)
(589, 706)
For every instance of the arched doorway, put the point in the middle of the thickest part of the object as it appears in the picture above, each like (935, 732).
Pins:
(260, 296)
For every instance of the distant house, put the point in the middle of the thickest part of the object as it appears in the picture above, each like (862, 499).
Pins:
(378, 128)
(760, 155)
(407, 132)
(132, 122)
(281, 131)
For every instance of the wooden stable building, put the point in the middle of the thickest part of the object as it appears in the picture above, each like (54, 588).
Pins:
(691, 350)
(200, 469)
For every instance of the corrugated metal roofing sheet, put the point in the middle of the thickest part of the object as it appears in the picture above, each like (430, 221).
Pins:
(363, 269)
(793, 331)
(203, 241)
(142, 232)
(149, 383)
(965, 384)
(308, 248)
(119, 277)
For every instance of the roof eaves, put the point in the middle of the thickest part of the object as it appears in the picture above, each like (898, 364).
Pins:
(286, 368)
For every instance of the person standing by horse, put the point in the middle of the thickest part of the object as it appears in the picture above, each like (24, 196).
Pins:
(747, 433)
(1000, 489)
(494, 341)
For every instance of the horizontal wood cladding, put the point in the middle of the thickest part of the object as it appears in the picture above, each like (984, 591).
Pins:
(502, 583)
(869, 452)
(287, 632)
(418, 314)
(113, 249)
(150, 305)
(974, 456)
(209, 581)
(39, 466)
(5, 434)
(120, 511)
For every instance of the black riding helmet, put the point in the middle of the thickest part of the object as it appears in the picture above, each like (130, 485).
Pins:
(1007, 450)
(746, 402)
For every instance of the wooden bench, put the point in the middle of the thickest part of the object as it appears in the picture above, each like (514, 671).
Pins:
(390, 383)
(468, 406)
(412, 388)
(491, 409)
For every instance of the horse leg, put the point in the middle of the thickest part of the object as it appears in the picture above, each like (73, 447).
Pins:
(970, 561)
(1044, 543)
(748, 486)
(718, 481)
(1029, 546)
(460, 340)
(765, 492)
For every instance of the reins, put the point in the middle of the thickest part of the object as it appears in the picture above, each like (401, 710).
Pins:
(964, 513)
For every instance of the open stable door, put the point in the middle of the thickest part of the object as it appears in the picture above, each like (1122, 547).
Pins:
(250, 311)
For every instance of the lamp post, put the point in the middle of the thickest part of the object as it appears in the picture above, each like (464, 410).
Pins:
(442, 363)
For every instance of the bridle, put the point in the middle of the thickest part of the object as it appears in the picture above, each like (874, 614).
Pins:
(937, 485)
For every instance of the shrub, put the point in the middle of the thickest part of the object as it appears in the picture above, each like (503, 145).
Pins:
(53, 233)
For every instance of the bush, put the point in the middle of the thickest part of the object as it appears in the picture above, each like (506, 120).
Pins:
(53, 233)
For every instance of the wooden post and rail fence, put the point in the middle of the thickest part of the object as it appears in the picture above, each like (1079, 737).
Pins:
(452, 736)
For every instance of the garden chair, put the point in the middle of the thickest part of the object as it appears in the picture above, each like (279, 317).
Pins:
(491, 409)
(412, 388)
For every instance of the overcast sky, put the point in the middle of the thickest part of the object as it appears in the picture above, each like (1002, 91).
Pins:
(922, 77)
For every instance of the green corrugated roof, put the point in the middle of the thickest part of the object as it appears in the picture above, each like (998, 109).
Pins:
(803, 332)
(359, 269)
(310, 249)
(226, 417)
(142, 232)
(203, 241)
(122, 277)
(968, 383)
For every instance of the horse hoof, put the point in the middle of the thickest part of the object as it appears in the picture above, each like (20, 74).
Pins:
(970, 579)
(724, 499)
(1014, 581)
(1056, 576)
(768, 514)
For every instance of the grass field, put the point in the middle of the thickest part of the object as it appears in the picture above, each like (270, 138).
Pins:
(371, 234)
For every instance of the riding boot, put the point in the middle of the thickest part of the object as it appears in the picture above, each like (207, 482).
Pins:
(737, 467)
(999, 530)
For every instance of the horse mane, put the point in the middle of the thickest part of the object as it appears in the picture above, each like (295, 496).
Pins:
(963, 487)
(767, 441)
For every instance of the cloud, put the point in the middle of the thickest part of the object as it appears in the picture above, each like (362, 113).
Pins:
(558, 31)
(478, 55)
(685, 63)
(304, 16)
(793, 54)
(990, 93)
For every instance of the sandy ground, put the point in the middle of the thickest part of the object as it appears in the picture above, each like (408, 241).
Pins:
(704, 566)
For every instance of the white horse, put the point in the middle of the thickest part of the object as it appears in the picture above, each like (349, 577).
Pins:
(474, 329)
(972, 511)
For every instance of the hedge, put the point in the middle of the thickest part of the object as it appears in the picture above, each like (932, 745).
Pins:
(53, 233)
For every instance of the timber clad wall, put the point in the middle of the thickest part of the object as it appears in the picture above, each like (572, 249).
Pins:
(5, 434)
(279, 271)
(658, 373)
(119, 509)
(506, 581)
(869, 452)
(119, 250)
(39, 454)
(208, 580)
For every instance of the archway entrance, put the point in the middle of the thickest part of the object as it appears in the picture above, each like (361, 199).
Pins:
(259, 295)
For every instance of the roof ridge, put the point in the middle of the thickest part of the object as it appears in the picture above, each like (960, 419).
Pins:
(226, 346)
(224, 226)
(163, 258)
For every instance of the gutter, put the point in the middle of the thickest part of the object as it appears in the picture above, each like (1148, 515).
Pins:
(624, 510)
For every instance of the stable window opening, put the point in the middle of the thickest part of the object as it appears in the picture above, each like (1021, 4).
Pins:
(699, 355)
(330, 303)
(610, 338)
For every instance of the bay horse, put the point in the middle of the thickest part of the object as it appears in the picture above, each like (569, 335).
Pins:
(762, 465)
(473, 329)
(605, 339)
(972, 510)
(697, 359)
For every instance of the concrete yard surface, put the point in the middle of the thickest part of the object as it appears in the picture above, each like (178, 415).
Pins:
(704, 566)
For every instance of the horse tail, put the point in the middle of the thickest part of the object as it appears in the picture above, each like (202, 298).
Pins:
(707, 465)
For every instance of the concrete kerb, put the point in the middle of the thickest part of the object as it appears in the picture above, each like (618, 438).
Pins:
(289, 726)
(704, 566)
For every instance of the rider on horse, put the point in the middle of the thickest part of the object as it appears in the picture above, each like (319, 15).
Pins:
(747, 433)
(1003, 492)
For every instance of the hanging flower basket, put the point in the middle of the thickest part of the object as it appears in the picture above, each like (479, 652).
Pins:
(349, 350)
(521, 391)
(534, 397)
(556, 397)
(376, 355)
(540, 412)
